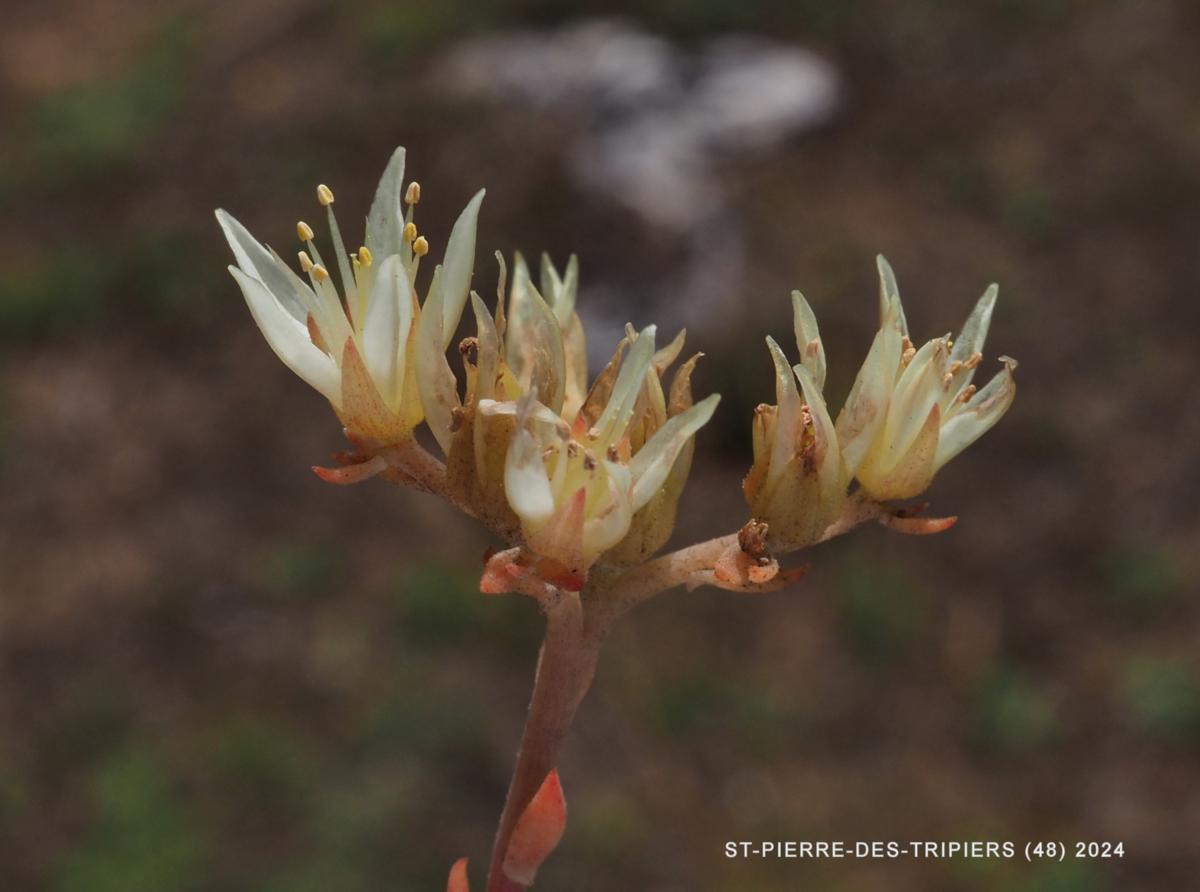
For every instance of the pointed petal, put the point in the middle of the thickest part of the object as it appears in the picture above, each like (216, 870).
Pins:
(863, 416)
(889, 294)
(787, 420)
(260, 263)
(435, 379)
(917, 388)
(385, 224)
(458, 265)
(668, 354)
(650, 467)
(621, 402)
(826, 453)
(534, 345)
(289, 338)
(575, 359)
(973, 420)
(974, 332)
(808, 339)
(385, 329)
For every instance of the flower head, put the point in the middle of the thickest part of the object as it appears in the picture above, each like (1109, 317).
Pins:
(797, 484)
(912, 410)
(584, 472)
(370, 349)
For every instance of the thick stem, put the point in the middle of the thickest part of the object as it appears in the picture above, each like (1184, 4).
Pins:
(565, 669)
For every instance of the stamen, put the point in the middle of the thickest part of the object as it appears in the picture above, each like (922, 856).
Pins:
(572, 449)
(967, 393)
(421, 246)
(306, 263)
(973, 360)
(304, 232)
(364, 256)
(319, 272)
(413, 195)
(324, 195)
(955, 367)
(589, 460)
(613, 452)
(908, 354)
(410, 231)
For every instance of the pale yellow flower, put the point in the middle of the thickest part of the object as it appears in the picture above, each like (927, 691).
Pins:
(371, 349)
(911, 411)
(585, 472)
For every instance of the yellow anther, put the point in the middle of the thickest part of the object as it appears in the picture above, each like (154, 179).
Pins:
(304, 231)
(324, 195)
(421, 246)
(306, 263)
(410, 231)
(364, 255)
(319, 272)
(413, 195)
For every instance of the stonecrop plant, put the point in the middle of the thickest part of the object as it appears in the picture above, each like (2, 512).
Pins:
(580, 482)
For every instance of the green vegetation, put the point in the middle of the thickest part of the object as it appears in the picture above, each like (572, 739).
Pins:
(1011, 714)
(141, 839)
(1162, 698)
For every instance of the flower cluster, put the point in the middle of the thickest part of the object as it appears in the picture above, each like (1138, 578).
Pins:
(574, 473)
(582, 480)
(909, 412)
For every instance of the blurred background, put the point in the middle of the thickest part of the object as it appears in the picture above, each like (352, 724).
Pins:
(218, 673)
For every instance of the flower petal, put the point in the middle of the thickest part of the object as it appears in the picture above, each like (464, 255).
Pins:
(889, 294)
(619, 410)
(458, 264)
(985, 408)
(866, 408)
(289, 338)
(651, 465)
(786, 434)
(525, 480)
(258, 262)
(385, 329)
(385, 224)
(435, 379)
(970, 339)
(533, 342)
(808, 339)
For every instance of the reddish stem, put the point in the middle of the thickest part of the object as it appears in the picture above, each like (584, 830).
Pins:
(566, 666)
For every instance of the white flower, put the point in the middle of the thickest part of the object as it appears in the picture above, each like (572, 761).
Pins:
(911, 411)
(372, 350)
